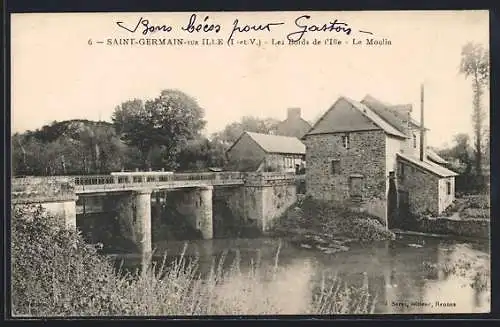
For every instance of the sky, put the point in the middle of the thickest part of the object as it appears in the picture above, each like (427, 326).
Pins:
(57, 75)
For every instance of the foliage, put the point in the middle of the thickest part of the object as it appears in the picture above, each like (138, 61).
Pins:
(475, 65)
(161, 126)
(69, 147)
(460, 157)
(55, 273)
(53, 270)
(247, 124)
(201, 153)
(334, 219)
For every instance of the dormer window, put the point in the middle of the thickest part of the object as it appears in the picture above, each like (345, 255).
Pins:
(414, 141)
(345, 141)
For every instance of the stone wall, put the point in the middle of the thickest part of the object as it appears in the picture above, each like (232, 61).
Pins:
(42, 189)
(276, 162)
(366, 157)
(277, 199)
(422, 188)
(263, 198)
(56, 195)
(445, 199)
(478, 228)
(267, 196)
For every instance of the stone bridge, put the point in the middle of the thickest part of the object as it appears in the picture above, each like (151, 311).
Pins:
(258, 197)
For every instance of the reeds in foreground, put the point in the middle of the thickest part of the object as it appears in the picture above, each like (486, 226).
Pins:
(55, 273)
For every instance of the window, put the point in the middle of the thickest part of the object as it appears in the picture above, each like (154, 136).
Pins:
(448, 187)
(335, 166)
(414, 141)
(401, 171)
(345, 141)
(356, 187)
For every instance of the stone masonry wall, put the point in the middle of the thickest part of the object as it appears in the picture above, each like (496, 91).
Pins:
(277, 199)
(445, 199)
(277, 162)
(422, 188)
(263, 198)
(42, 189)
(365, 156)
(478, 228)
(56, 195)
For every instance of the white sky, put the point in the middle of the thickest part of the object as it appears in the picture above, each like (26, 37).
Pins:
(56, 75)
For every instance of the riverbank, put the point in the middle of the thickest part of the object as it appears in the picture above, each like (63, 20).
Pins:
(468, 216)
(55, 273)
(328, 227)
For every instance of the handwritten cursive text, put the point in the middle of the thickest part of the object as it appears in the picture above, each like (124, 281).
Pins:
(334, 26)
(193, 27)
(147, 27)
(248, 28)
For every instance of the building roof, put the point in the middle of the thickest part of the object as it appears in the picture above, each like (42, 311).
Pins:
(296, 127)
(396, 115)
(379, 121)
(368, 120)
(433, 156)
(277, 143)
(429, 166)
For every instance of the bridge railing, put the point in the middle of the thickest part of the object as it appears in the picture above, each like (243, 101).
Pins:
(152, 178)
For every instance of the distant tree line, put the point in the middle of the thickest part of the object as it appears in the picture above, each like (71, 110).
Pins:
(162, 133)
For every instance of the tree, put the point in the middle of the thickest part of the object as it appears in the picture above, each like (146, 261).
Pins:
(475, 65)
(462, 152)
(249, 124)
(200, 154)
(161, 126)
(68, 147)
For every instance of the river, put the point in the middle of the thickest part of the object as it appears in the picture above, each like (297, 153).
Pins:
(412, 274)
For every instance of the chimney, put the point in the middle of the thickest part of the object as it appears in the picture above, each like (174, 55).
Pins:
(293, 113)
(422, 128)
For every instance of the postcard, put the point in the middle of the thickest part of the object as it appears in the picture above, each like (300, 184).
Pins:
(250, 163)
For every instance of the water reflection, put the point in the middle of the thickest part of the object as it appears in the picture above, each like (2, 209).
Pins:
(436, 277)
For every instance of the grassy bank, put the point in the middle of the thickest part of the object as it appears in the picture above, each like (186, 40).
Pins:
(475, 206)
(55, 273)
(329, 224)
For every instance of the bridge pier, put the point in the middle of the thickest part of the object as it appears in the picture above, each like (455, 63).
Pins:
(196, 205)
(133, 211)
(204, 212)
(143, 222)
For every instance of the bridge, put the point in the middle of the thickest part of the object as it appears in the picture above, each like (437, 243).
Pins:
(258, 197)
(158, 181)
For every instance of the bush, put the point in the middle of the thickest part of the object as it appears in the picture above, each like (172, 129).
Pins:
(53, 270)
(334, 219)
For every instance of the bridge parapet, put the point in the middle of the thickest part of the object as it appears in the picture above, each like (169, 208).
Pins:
(42, 189)
(269, 179)
(125, 182)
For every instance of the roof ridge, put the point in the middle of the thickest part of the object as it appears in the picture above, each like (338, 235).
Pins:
(273, 135)
(428, 165)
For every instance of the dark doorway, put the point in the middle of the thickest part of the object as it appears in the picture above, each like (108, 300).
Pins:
(392, 203)
(403, 209)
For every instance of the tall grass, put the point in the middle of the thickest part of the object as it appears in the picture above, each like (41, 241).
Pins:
(55, 273)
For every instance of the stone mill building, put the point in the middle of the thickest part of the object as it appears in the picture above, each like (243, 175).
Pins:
(372, 155)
